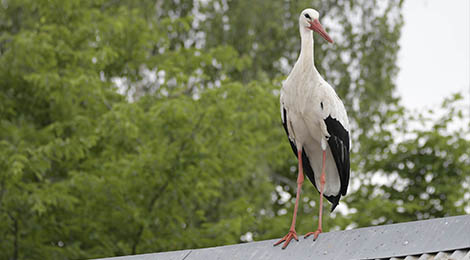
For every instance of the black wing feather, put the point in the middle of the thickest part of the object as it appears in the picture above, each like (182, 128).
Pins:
(308, 168)
(339, 146)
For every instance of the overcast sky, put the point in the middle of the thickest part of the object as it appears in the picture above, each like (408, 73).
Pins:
(434, 59)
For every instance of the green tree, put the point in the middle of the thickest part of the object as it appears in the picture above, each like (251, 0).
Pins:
(422, 172)
(86, 173)
(140, 126)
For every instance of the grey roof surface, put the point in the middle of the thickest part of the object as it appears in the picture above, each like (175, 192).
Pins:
(444, 238)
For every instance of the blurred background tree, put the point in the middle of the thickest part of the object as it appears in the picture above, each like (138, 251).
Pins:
(144, 126)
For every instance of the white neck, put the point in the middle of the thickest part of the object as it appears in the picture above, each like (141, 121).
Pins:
(306, 58)
(306, 48)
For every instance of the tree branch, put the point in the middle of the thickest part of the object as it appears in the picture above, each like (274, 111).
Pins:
(149, 209)
(15, 232)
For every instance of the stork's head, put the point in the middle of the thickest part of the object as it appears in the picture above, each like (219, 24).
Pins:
(309, 19)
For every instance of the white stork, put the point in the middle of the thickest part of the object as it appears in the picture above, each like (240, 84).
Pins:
(317, 125)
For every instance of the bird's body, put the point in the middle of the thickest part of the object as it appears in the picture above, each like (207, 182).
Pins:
(316, 124)
(308, 100)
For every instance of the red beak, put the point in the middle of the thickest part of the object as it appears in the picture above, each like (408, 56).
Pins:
(316, 26)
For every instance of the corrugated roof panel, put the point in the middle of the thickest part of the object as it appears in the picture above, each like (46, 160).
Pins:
(424, 256)
(444, 238)
(460, 254)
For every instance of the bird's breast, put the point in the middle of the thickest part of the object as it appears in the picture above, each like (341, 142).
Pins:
(306, 107)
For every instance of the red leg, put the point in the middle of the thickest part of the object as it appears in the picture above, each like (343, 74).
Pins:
(322, 186)
(300, 179)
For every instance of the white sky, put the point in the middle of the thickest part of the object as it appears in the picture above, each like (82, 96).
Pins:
(434, 59)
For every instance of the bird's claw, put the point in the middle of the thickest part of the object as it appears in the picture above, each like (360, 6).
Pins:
(315, 234)
(287, 238)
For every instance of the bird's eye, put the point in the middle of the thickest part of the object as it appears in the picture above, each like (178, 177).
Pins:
(307, 16)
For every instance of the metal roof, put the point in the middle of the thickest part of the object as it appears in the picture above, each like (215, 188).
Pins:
(451, 255)
(443, 238)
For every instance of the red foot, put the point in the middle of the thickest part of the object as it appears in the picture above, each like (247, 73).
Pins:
(315, 234)
(287, 238)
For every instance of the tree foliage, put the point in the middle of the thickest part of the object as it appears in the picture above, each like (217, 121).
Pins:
(425, 174)
(143, 126)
